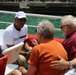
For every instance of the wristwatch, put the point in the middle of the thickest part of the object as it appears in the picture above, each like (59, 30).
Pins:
(71, 66)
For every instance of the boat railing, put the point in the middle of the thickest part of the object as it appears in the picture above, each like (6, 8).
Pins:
(2, 22)
(30, 14)
(31, 26)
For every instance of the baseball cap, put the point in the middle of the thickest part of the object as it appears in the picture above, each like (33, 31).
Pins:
(20, 14)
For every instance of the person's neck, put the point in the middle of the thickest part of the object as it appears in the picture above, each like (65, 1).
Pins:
(46, 40)
(70, 34)
(16, 28)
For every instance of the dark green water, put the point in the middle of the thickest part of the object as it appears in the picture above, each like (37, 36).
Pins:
(31, 21)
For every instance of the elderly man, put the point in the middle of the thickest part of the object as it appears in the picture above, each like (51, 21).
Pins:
(16, 33)
(68, 28)
(44, 53)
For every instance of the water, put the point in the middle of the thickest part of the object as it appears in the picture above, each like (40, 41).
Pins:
(31, 21)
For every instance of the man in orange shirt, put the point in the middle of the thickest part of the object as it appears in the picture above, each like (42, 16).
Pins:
(45, 52)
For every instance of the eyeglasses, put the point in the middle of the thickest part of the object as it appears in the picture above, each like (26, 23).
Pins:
(22, 20)
(63, 26)
(36, 30)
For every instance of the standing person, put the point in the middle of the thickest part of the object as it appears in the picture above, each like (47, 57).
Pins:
(68, 27)
(15, 33)
(44, 53)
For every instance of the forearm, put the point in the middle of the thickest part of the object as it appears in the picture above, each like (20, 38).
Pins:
(27, 47)
(23, 70)
(73, 62)
(63, 64)
(22, 52)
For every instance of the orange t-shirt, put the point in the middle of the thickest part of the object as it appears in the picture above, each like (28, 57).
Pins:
(42, 55)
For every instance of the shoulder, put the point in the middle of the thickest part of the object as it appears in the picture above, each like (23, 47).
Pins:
(73, 37)
(38, 48)
(25, 26)
(8, 29)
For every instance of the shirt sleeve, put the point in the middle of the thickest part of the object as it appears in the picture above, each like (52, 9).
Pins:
(34, 57)
(73, 50)
(7, 38)
(26, 31)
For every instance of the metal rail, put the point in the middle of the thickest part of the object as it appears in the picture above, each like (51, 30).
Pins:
(30, 14)
(36, 15)
(1, 22)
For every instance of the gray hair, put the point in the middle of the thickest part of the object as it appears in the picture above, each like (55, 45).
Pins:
(69, 20)
(46, 28)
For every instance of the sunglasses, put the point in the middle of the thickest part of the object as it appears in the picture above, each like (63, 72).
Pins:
(22, 20)
(36, 30)
(63, 26)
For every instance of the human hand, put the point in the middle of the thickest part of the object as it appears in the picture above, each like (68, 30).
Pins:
(27, 53)
(22, 70)
(16, 72)
(59, 64)
(34, 42)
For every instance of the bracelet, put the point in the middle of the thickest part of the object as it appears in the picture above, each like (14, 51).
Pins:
(71, 66)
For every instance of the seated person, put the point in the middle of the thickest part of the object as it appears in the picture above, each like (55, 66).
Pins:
(44, 53)
(68, 27)
(15, 33)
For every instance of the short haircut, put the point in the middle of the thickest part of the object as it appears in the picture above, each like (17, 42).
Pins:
(46, 28)
(69, 20)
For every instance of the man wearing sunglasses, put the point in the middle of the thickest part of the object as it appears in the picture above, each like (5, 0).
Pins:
(15, 33)
(68, 27)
